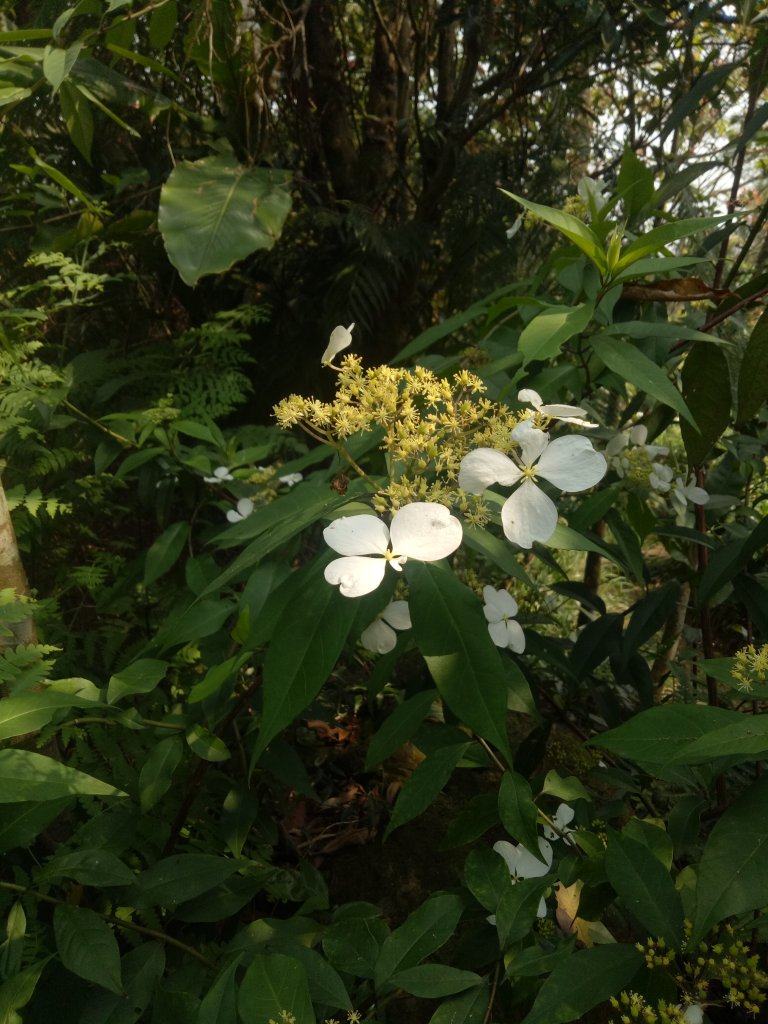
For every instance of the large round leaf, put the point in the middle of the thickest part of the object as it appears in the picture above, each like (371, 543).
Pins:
(214, 212)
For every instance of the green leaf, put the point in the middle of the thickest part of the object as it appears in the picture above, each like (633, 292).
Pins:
(219, 1005)
(140, 677)
(76, 111)
(630, 364)
(635, 183)
(704, 90)
(745, 739)
(142, 969)
(274, 983)
(648, 617)
(729, 560)
(214, 212)
(307, 641)
(353, 945)
(518, 812)
(487, 876)
(661, 734)
(573, 229)
(182, 877)
(584, 979)
(568, 788)
(164, 552)
(472, 821)
(422, 787)
(157, 771)
(21, 823)
(544, 336)
(90, 867)
(733, 872)
(31, 711)
(25, 775)
(87, 946)
(707, 392)
(753, 372)
(162, 24)
(425, 930)
(645, 888)
(398, 727)
(451, 632)
(498, 552)
(15, 992)
(518, 909)
(207, 745)
(200, 619)
(58, 63)
(430, 981)
(661, 236)
(468, 1008)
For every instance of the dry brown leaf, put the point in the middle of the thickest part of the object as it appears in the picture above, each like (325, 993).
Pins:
(679, 289)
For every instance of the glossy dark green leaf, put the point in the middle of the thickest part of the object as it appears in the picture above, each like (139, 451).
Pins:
(274, 983)
(518, 812)
(631, 365)
(425, 930)
(707, 392)
(451, 632)
(142, 968)
(219, 1005)
(729, 560)
(544, 336)
(468, 1008)
(140, 677)
(733, 872)
(660, 735)
(635, 183)
(753, 372)
(90, 867)
(25, 775)
(157, 771)
(518, 909)
(645, 888)
(180, 878)
(29, 712)
(423, 786)
(649, 615)
(87, 946)
(487, 876)
(582, 980)
(745, 739)
(164, 552)
(398, 727)
(430, 981)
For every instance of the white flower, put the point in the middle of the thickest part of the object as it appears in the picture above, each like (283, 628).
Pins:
(220, 476)
(291, 478)
(244, 509)
(499, 609)
(561, 819)
(590, 191)
(422, 530)
(570, 463)
(523, 864)
(380, 636)
(566, 413)
(634, 438)
(682, 494)
(660, 477)
(341, 338)
(694, 1014)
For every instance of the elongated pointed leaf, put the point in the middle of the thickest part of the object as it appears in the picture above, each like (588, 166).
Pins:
(659, 237)
(518, 812)
(31, 711)
(753, 373)
(468, 1008)
(451, 632)
(25, 775)
(421, 789)
(399, 727)
(733, 873)
(645, 888)
(630, 364)
(215, 212)
(544, 336)
(567, 225)
(660, 735)
(87, 946)
(707, 392)
(157, 771)
(426, 930)
(274, 984)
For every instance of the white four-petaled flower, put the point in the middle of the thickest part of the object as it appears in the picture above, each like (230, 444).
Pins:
(523, 864)
(380, 636)
(290, 479)
(500, 609)
(244, 508)
(566, 413)
(341, 338)
(682, 493)
(570, 463)
(422, 530)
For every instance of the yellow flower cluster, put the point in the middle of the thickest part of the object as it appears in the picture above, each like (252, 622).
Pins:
(633, 1007)
(428, 425)
(750, 667)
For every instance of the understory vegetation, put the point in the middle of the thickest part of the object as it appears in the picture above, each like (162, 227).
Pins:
(384, 512)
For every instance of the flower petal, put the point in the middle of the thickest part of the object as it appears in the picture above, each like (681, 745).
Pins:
(515, 636)
(355, 576)
(532, 441)
(528, 515)
(485, 466)
(397, 615)
(617, 444)
(341, 338)
(425, 531)
(498, 631)
(531, 397)
(529, 866)
(379, 637)
(569, 414)
(572, 464)
(357, 535)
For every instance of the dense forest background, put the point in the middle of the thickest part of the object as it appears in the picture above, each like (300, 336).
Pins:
(221, 799)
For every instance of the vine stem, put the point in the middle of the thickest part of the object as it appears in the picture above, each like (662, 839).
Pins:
(119, 922)
(494, 986)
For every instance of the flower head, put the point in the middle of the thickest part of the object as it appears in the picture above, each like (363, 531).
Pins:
(422, 530)
(220, 475)
(341, 338)
(566, 413)
(244, 508)
(380, 636)
(682, 494)
(291, 478)
(499, 609)
(523, 864)
(570, 463)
